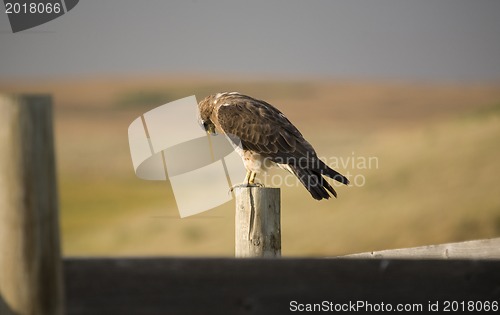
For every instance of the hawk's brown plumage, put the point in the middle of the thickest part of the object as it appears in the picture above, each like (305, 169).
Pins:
(266, 135)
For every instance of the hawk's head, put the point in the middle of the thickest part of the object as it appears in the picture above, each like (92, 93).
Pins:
(205, 108)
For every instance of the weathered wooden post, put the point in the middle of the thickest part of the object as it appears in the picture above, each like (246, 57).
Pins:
(258, 228)
(30, 258)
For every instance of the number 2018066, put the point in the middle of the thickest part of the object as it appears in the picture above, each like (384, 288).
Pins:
(33, 8)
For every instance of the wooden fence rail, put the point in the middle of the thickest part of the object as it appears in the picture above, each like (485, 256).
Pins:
(268, 286)
(477, 249)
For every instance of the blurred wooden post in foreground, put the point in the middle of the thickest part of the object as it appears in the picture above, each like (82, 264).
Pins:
(30, 258)
(258, 228)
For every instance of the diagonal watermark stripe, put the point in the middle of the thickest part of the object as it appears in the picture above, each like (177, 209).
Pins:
(167, 143)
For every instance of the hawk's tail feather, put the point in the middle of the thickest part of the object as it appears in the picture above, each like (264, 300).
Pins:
(312, 180)
(326, 170)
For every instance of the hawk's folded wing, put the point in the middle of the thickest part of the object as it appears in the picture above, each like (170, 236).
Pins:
(263, 129)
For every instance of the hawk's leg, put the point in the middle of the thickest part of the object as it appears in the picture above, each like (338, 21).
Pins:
(247, 177)
(249, 181)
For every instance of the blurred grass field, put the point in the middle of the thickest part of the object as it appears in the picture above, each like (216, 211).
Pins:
(436, 145)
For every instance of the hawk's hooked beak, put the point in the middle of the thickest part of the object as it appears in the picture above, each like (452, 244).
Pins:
(209, 128)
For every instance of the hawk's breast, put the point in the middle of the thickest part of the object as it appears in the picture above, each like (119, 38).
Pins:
(254, 161)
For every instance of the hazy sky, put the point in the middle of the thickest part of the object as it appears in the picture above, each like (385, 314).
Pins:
(457, 40)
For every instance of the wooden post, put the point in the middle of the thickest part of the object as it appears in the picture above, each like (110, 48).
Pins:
(30, 258)
(258, 229)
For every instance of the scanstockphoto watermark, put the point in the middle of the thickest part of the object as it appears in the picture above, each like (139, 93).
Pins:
(365, 306)
(355, 306)
(356, 163)
(355, 166)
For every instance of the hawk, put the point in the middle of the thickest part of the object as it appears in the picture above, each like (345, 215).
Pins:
(266, 138)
